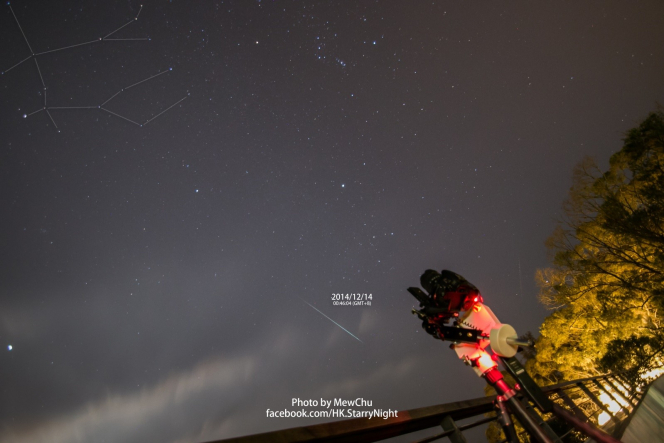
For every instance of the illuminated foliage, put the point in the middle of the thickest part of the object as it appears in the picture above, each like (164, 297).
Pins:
(606, 284)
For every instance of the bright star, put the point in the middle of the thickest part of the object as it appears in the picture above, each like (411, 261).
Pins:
(10, 347)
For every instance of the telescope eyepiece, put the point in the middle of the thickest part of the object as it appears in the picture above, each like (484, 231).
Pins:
(429, 281)
(440, 282)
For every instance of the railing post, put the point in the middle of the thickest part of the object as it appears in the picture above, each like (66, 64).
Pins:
(622, 383)
(628, 394)
(617, 391)
(573, 406)
(456, 436)
(600, 386)
(630, 387)
(595, 400)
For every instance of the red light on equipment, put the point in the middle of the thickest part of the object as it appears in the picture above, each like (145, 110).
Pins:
(485, 362)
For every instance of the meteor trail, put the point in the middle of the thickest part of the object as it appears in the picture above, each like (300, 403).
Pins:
(332, 320)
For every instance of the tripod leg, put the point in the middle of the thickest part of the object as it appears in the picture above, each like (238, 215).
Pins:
(506, 421)
(495, 379)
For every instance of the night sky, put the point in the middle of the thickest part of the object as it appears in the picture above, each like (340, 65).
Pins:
(156, 279)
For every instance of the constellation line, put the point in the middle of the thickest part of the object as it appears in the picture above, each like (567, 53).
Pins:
(19, 27)
(51, 117)
(73, 107)
(67, 47)
(113, 96)
(47, 108)
(130, 21)
(40, 74)
(124, 39)
(24, 60)
(118, 115)
(123, 89)
(182, 99)
(138, 83)
(38, 110)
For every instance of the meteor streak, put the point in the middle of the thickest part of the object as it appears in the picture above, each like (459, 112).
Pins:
(332, 320)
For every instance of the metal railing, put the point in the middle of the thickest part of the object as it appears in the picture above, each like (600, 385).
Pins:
(581, 398)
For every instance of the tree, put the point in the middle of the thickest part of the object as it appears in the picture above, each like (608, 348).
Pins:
(606, 284)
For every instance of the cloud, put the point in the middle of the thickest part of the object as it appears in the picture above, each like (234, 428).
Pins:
(173, 407)
(218, 398)
(368, 321)
(18, 323)
(387, 374)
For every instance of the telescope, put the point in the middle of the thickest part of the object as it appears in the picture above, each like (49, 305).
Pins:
(453, 309)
